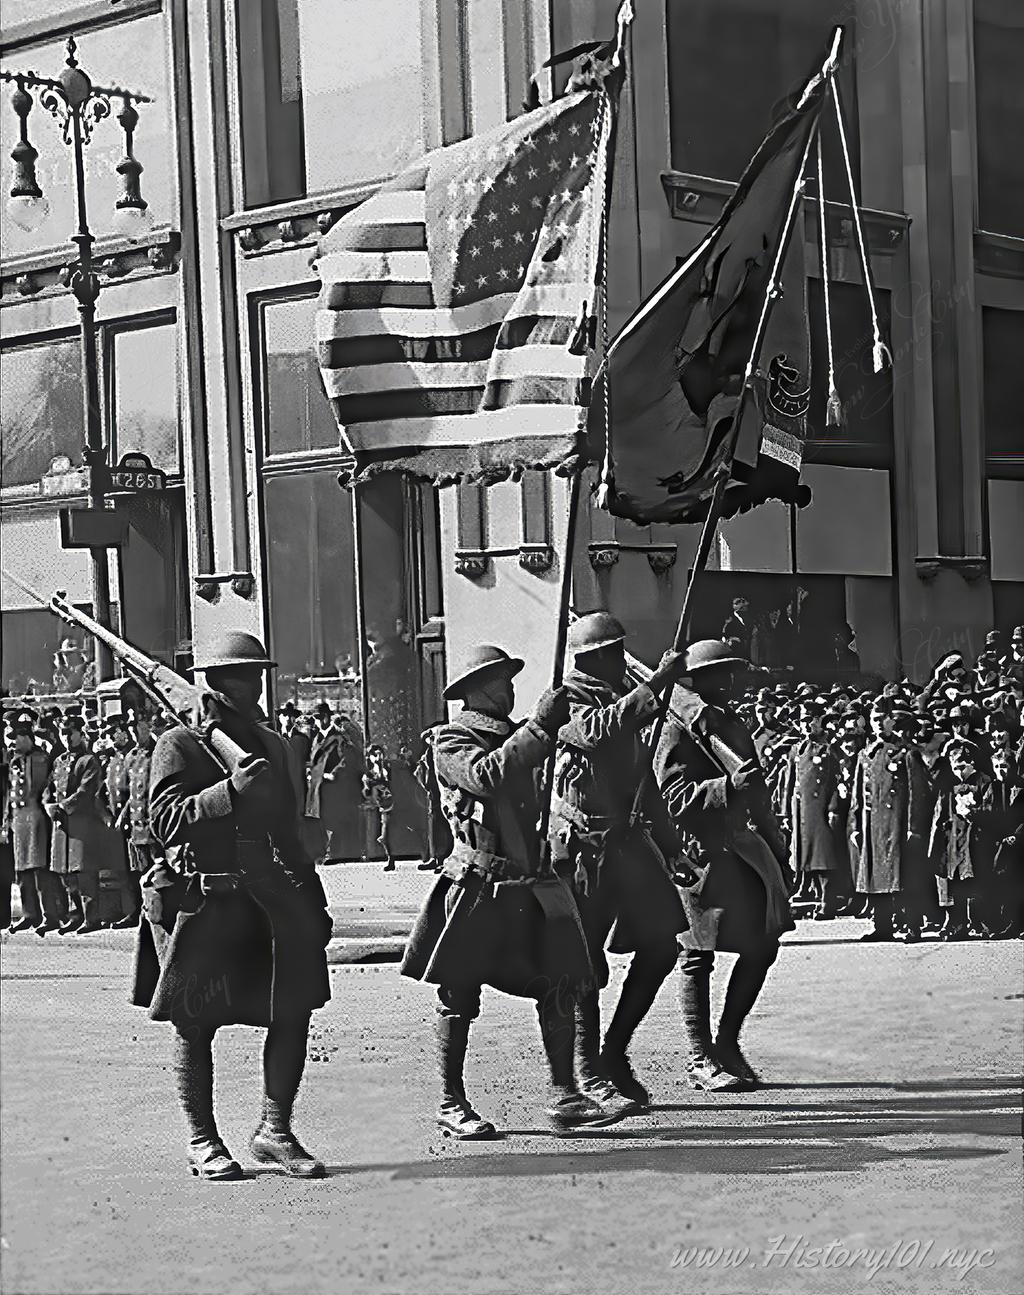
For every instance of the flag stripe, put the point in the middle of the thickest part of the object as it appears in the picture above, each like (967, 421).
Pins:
(339, 353)
(382, 407)
(467, 429)
(376, 296)
(359, 267)
(389, 238)
(523, 361)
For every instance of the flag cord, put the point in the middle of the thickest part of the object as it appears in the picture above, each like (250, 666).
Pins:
(606, 485)
(880, 353)
(833, 407)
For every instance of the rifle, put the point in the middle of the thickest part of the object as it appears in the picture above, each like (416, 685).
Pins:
(165, 688)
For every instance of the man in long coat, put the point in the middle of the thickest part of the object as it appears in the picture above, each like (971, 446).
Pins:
(238, 936)
(954, 841)
(811, 808)
(117, 797)
(79, 834)
(620, 862)
(715, 790)
(497, 915)
(885, 815)
(29, 831)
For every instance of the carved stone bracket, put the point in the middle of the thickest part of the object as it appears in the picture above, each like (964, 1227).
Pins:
(971, 569)
(662, 560)
(208, 586)
(537, 558)
(471, 563)
(48, 273)
(603, 556)
(249, 239)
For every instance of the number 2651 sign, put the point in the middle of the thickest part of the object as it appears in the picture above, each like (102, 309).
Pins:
(135, 473)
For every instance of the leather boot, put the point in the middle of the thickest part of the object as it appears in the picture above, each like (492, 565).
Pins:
(275, 1143)
(455, 1115)
(703, 1071)
(193, 1066)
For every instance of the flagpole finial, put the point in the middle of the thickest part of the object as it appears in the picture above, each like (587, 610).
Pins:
(623, 19)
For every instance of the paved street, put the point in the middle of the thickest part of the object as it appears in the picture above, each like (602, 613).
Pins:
(893, 1120)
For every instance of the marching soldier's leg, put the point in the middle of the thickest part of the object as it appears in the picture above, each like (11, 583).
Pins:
(647, 972)
(284, 1059)
(745, 983)
(702, 1070)
(457, 1009)
(193, 1070)
(592, 1104)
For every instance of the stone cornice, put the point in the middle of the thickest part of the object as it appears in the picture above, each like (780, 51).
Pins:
(44, 274)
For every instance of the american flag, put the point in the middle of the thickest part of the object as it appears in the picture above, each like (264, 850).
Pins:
(450, 299)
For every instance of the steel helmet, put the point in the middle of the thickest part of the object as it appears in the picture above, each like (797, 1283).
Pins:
(483, 661)
(233, 647)
(706, 653)
(594, 630)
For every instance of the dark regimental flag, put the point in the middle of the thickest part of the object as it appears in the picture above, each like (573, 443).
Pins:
(455, 301)
(678, 365)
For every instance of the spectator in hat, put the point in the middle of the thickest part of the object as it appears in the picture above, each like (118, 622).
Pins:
(1001, 830)
(810, 801)
(69, 666)
(71, 801)
(953, 843)
(28, 829)
(739, 627)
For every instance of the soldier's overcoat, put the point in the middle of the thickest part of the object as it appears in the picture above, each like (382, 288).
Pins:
(889, 797)
(248, 955)
(79, 840)
(491, 918)
(811, 803)
(29, 826)
(620, 872)
(740, 902)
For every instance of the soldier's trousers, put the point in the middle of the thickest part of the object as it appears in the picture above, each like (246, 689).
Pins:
(40, 896)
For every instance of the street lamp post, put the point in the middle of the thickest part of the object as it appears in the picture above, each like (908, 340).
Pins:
(78, 105)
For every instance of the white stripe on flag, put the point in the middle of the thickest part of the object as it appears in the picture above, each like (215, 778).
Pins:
(396, 267)
(521, 362)
(517, 422)
(426, 322)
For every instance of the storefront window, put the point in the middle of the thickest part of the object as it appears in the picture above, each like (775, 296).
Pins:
(145, 395)
(340, 84)
(298, 414)
(41, 414)
(133, 54)
(998, 60)
(732, 63)
(1002, 334)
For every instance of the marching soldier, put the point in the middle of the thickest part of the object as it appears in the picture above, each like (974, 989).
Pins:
(621, 863)
(239, 940)
(495, 916)
(739, 903)
(29, 831)
(811, 803)
(71, 800)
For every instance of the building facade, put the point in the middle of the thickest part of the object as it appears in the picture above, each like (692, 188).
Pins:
(272, 117)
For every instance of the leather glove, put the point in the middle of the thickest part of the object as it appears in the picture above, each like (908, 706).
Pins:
(671, 669)
(247, 773)
(552, 710)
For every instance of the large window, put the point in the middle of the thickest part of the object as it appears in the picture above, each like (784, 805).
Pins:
(1003, 347)
(144, 401)
(732, 64)
(130, 54)
(298, 415)
(41, 412)
(998, 61)
(332, 93)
